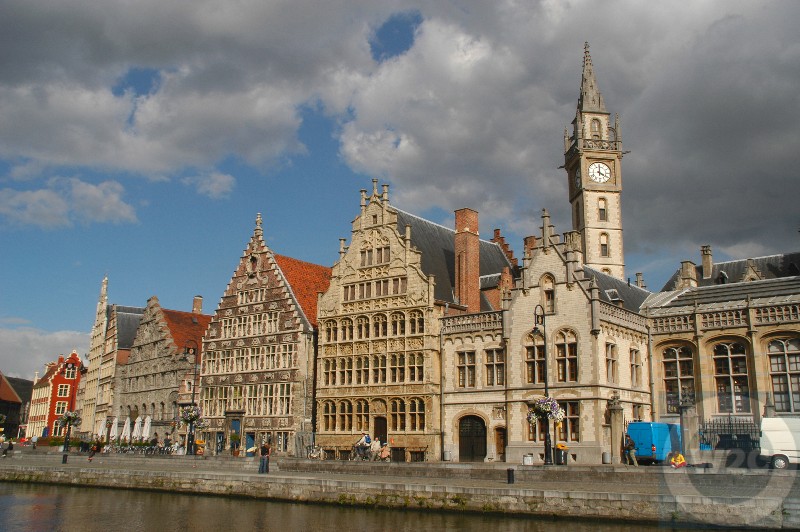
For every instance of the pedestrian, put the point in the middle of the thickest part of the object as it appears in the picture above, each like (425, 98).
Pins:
(265, 452)
(630, 450)
(34, 440)
(677, 461)
(93, 450)
(4, 445)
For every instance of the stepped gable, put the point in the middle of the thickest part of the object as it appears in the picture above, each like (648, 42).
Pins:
(305, 280)
(436, 243)
(631, 295)
(185, 326)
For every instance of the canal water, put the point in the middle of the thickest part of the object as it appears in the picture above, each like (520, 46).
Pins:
(34, 508)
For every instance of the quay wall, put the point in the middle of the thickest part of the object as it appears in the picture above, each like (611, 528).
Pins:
(619, 500)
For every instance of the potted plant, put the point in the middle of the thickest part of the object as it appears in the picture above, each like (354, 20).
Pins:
(236, 439)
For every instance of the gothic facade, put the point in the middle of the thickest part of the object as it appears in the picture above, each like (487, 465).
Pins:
(161, 362)
(259, 350)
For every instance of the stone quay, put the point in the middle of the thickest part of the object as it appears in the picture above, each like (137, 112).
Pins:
(715, 496)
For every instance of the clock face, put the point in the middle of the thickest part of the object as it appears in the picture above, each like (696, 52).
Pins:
(599, 172)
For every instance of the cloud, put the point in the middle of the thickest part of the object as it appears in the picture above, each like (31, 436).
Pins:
(26, 350)
(215, 185)
(65, 201)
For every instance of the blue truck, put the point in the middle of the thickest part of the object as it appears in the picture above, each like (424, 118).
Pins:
(654, 441)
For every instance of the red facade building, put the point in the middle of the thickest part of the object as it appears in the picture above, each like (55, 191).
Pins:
(53, 394)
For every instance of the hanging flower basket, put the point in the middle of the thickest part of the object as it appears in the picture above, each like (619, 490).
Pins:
(190, 414)
(2, 419)
(69, 418)
(545, 408)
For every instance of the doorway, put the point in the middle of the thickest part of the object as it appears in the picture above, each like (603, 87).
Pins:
(379, 428)
(500, 444)
(471, 439)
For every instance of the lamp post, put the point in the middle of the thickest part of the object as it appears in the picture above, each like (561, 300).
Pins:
(68, 370)
(539, 321)
(190, 350)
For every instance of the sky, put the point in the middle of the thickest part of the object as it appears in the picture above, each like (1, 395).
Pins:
(140, 140)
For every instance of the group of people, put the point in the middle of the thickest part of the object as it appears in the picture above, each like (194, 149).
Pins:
(371, 448)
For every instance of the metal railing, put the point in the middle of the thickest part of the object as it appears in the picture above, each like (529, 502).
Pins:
(729, 433)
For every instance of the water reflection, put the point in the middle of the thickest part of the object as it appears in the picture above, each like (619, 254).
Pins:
(34, 508)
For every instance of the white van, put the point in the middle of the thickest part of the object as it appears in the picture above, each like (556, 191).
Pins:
(780, 441)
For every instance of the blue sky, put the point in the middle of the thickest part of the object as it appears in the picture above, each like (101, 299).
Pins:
(140, 143)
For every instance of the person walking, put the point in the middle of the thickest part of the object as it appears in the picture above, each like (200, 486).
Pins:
(630, 451)
(265, 452)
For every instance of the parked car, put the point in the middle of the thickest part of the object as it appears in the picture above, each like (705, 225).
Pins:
(654, 441)
(780, 441)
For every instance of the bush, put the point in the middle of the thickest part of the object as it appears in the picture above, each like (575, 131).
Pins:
(53, 441)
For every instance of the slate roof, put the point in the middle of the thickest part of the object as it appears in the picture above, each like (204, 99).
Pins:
(771, 267)
(128, 319)
(185, 326)
(732, 295)
(437, 245)
(305, 280)
(610, 287)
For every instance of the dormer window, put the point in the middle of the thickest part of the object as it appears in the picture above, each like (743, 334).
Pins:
(614, 297)
(722, 278)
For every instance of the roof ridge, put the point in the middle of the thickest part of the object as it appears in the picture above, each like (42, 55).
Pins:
(754, 258)
(442, 226)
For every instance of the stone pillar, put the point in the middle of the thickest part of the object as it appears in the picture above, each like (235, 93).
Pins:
(690, 432)
(616, 430)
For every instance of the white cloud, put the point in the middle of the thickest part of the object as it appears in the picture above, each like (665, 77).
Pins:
(214, 185)
(23, 351)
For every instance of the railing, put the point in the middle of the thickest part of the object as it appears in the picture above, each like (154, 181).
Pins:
(727, 318)
(729, 433)
(473, 322)
(673, 324)
(777, 314)
(622, 316)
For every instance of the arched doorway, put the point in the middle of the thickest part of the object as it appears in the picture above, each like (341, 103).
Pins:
(379, 428)
(471, 439)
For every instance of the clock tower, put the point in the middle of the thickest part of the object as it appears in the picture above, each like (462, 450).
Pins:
(592, 159)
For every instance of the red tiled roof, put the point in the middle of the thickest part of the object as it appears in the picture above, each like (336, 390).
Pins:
(185, 326)
(7, 393)
(305, 280)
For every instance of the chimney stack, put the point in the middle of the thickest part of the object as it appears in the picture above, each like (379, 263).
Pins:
(197, 305)
(467, 247)
(708, 261)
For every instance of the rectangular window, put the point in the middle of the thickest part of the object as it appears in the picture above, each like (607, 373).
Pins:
(61, 407)
(611, 363)
(636, 368)
(570, 427)
(466, 369)
(567, 360)
(536, 431)
(678, 376)
(495, 367)
(63, 390)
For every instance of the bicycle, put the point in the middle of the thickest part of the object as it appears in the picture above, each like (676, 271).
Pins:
(315, 452)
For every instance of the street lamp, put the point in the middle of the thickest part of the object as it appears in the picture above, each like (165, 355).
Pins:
(69, 369)
(539, 321)
(190, 350)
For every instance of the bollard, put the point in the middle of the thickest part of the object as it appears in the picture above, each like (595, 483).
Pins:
(510, 475)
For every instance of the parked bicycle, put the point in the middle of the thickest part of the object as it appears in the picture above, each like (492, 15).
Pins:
(315, 452)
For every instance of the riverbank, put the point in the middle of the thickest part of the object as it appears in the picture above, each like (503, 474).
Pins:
(723, 497)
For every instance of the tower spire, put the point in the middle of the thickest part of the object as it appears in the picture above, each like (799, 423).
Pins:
(590, 99)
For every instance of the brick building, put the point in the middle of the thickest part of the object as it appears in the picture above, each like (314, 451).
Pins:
(53, 394)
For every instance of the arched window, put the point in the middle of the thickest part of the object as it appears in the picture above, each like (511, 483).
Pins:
(398, 324)
(329, 416)
(345, 416)
(397, 414)
(534, 359)
(416, 322)
(379, 326)
(602, 210)
(595, 127)
(347, 329)
(566, 356)
(730, 374)
(416, 414)
(678, 376)
(784, 371)
(362, 328)
(547, 286)
(362, 415)
(604, 251)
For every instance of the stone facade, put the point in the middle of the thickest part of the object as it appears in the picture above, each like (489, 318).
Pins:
(258, 367)
(157, 367)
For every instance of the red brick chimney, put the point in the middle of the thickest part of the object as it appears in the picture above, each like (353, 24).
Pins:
(197, 305)
(467, 244)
